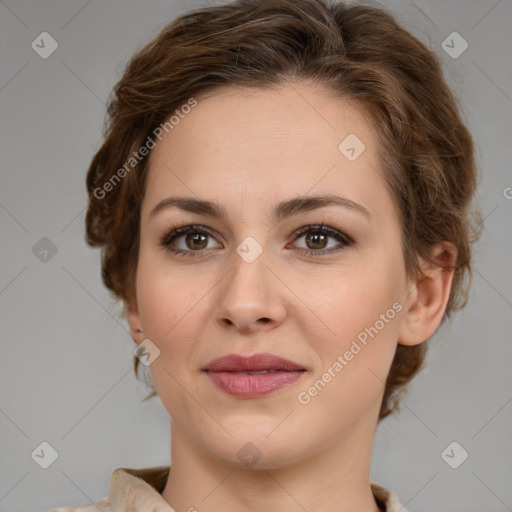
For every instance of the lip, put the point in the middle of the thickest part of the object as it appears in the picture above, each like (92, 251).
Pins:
(254, 363)
(229, 373)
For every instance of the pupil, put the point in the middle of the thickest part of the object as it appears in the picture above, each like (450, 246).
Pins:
(197, 239)
(317, 237)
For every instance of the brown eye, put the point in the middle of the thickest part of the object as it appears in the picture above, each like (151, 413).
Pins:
(197, 241)
(187, 241)
(316, 240)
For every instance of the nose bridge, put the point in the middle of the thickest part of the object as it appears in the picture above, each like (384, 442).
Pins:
(250, 296)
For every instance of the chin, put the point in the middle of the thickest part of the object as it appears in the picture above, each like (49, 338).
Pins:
(254, 451)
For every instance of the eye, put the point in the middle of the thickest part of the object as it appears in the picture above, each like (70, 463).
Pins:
(193, 240)
(316, 239)
(187, 240)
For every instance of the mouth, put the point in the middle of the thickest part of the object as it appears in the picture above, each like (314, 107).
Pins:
(258, 372)
(253, 376)
(264, 362)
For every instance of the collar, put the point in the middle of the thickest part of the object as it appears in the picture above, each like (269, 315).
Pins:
(139, 490)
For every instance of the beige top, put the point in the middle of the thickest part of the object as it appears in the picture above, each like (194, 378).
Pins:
(138, 490)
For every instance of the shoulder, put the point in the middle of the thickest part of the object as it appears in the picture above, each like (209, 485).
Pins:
(386, 499)
(102, 505)
(126, 486)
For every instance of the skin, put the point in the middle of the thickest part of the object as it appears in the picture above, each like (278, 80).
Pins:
(247, 150)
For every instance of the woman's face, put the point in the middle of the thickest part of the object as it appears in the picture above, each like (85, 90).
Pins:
(250, 282)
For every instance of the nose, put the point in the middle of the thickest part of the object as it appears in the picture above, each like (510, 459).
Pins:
(251, 297)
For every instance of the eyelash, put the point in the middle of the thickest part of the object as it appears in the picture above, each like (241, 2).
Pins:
(344, 239)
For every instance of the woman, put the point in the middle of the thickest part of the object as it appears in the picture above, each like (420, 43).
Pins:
(283, 204)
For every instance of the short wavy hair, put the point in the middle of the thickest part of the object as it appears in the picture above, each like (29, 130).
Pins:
(361, 54)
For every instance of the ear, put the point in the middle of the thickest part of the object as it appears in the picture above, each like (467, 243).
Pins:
(429, 296)
(135, 323)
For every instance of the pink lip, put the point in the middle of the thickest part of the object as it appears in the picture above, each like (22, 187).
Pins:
(229, 373)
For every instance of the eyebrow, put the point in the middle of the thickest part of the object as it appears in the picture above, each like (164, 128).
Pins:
(283, 209)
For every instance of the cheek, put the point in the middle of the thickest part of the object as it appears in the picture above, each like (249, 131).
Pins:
(165, 304)
(163, 308)
(165, 296)
(351, 300)
(362, 308)
(173, 309)
(364, 314)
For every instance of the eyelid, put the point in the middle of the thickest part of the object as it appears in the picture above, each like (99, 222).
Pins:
(176, 232)
(332, 232)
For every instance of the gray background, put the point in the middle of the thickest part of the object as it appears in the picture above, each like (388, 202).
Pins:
(66, 365)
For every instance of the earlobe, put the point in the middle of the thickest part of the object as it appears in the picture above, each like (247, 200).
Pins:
(135, 324)
(428, 300)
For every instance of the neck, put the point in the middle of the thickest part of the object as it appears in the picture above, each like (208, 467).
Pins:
(334, 478)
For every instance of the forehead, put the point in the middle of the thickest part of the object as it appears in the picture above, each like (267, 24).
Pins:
(267, 144)
(273, 119)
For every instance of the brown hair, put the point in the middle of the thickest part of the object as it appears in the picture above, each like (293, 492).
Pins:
(358, 52)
